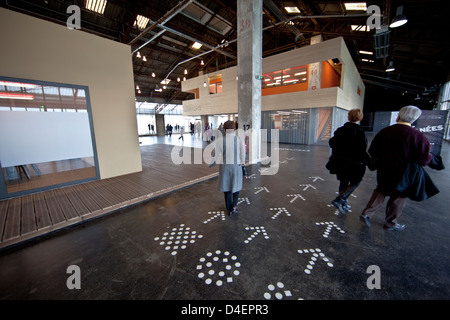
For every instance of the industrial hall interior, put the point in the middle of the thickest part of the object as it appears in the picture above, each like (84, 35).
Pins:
(224, 150)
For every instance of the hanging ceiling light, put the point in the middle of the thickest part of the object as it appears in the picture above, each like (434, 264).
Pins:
(390, 67)
(400, 19)
(202, 63)
(153, 74)
(185, 71)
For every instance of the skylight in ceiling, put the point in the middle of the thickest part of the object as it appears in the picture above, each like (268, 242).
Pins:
(141, 22)
(96, 5)
(292, 9)
(196, 45)
(355, 6)
(356, 27)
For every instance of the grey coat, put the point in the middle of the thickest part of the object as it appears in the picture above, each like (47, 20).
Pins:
(230, 154)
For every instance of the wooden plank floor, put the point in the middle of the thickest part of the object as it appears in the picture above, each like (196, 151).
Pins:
(34, 215)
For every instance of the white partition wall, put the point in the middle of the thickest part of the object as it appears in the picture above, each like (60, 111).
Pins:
(35, 49)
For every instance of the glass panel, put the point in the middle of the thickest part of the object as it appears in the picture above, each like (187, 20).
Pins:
(294, 75)
(45, 136)
(292, 125)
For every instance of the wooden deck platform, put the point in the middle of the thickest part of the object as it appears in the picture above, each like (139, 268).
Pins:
(34, 215)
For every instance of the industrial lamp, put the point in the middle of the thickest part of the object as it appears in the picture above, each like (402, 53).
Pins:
(390, 67)
(400, 19)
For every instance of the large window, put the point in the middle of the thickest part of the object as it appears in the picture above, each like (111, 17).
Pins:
(46, 136)
(285, 77)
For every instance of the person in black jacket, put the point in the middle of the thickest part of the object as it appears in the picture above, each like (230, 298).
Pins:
(349, 158)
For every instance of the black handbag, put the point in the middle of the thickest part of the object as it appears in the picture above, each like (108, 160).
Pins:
(244, 170)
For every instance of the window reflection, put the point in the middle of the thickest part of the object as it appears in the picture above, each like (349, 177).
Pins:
(45, 136)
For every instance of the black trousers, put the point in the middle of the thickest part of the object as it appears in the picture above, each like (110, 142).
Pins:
(231, 200)
(346, 188)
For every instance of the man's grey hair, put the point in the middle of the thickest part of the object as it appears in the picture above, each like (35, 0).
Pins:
(409, 114)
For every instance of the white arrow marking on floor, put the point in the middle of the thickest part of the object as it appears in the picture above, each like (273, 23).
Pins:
(330, 225)
(316, 178)
(261, 189)
(316, 254)
(306, 186)
(258, 231)
(241, 200)
(280, 211)
(215, 215)
(296, 196)
(252, 176)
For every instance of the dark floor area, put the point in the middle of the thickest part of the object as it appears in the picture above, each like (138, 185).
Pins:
(287, 243)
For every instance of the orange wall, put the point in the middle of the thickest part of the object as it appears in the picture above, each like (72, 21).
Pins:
(329, 77)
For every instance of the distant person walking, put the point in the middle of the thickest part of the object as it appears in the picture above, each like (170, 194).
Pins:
(232, 151)
(181, 134)
(349, 158)
(208, 133)
(393, 149)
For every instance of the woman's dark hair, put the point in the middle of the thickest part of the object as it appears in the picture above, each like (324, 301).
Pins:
(229, 125)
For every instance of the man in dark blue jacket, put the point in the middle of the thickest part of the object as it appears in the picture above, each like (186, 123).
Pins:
(391, 150)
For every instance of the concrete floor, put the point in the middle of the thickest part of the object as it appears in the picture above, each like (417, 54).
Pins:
(287, 243)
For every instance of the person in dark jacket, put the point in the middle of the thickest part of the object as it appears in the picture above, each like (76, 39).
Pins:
(392, 149)
(349, 158)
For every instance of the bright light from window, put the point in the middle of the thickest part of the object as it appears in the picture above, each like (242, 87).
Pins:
(196, 45)
(292, 9)
(355, 6)
(96, 5)
(141, 21)
(17, 84)
(18, 96)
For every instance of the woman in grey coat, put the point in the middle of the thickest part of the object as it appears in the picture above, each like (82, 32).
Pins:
(232, 150)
